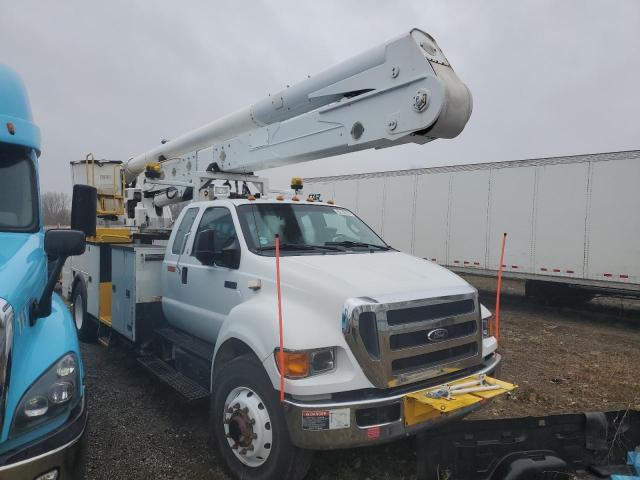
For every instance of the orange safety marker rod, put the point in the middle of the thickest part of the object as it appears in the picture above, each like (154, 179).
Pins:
(281, 351)
(497, 325)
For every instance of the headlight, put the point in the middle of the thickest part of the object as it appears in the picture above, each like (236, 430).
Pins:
(486, 319)
(55, 393)
(306, 363)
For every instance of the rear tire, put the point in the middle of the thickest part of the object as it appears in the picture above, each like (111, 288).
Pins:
(243, 383)
(86, 326)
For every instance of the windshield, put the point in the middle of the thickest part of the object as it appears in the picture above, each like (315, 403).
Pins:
(18, 195)
(305, 229)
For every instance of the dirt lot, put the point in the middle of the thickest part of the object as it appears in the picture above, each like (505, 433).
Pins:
(563, 360)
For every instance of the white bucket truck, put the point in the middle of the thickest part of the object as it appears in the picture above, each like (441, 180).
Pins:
(378, 344)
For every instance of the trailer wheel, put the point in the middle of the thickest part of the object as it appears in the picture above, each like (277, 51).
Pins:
(86, 326)
(249, 427)
(557, 294)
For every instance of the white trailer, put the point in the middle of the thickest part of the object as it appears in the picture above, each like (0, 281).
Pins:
(572, 223)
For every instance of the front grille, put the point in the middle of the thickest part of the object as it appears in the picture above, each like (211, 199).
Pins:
(412, 339)
(403, 342)
(429, 312)
(434, 358)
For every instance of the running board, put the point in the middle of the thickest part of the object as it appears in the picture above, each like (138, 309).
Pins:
(186, 387)
(186, 342)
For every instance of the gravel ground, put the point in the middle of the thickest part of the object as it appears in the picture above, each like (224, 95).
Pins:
(563, 360)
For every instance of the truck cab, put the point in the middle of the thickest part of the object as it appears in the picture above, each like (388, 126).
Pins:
(42, 401)
(364, 325)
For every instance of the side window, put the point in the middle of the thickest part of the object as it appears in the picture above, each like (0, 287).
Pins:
(183, 229)
(219, 220)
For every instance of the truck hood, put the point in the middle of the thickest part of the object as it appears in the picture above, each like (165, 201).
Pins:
(382, 276)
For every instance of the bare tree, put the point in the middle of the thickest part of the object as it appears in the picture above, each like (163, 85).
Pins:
(56, 208)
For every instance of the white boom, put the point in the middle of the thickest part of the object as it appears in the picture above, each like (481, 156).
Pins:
(400, 92)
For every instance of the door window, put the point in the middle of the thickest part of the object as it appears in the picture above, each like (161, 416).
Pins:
(219, 220)
(183, 229)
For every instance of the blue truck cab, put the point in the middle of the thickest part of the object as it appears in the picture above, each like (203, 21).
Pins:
(42, 402)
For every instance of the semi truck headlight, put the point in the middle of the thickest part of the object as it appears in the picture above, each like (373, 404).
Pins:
(55, 393)
(306, 363)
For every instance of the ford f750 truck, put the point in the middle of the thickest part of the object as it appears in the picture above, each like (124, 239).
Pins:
(376, 344)
(42, 402)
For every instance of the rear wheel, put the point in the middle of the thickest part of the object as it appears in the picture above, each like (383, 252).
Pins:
(249, 427)
(86, 326)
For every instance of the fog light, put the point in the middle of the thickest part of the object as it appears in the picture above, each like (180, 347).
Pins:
(66, 366)
(50, 475)
(36, 406)
(61, 392)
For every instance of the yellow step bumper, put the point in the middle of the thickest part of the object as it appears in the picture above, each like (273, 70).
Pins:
(444, 399)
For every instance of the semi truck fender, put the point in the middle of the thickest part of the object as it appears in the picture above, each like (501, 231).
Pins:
(255, 324)
(54, 336)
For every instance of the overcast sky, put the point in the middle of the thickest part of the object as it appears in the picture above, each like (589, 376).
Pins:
(114, 77)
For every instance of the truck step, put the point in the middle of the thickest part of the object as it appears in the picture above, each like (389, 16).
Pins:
(187, 342)
(186, 387)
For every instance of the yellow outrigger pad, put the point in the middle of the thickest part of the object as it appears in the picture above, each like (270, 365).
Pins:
(427, 404)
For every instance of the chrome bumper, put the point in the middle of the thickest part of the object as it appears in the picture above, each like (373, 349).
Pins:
(311, 435)
(63, 451)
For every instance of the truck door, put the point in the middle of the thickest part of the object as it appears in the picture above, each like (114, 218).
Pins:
(207, 293)
(171, 273)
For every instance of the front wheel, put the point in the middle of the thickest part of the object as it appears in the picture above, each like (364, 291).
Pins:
(86, 327)
(249, 427)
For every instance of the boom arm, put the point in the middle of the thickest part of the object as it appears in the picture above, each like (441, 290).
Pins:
(404, 91)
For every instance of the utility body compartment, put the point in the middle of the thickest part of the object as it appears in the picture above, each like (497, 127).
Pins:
(136, 289)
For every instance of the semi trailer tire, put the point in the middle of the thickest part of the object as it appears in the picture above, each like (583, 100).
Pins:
(86, 326)
(557, 294)
(248, 425)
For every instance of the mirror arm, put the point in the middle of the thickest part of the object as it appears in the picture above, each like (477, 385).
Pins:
(42, 307)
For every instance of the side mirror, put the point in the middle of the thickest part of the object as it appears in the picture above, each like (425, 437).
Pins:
(204, 247)
(84, 204)
(229, 256)
(58, 244)
(64, 243)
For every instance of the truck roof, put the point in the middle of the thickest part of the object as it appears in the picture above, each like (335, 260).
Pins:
(244, 201)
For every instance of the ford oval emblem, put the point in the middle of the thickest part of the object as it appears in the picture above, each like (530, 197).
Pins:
(437, 334)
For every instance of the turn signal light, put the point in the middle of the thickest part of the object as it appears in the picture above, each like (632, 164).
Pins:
(296, 364)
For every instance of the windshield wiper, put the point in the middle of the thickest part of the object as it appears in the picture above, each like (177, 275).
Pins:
(351, 243)
(298, 246)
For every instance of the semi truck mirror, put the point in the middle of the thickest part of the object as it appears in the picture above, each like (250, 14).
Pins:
(59, 244)
(205, 247)
(64, 243)
(83, 209)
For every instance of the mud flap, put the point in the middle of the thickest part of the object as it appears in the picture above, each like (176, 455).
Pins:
(445, 399)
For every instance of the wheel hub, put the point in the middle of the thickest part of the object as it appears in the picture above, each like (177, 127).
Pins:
(247, 426)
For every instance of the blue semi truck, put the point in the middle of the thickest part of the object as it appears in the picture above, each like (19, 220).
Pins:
(43, 411)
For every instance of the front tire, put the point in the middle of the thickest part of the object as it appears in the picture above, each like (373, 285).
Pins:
(249, 427)
(86, 326)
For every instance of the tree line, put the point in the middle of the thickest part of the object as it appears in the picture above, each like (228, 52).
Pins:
(56, 208)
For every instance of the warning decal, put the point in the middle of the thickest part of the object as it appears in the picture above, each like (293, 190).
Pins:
(326, 419)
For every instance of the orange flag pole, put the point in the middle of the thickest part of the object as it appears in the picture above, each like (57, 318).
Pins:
(281, 351)
(501, 266)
